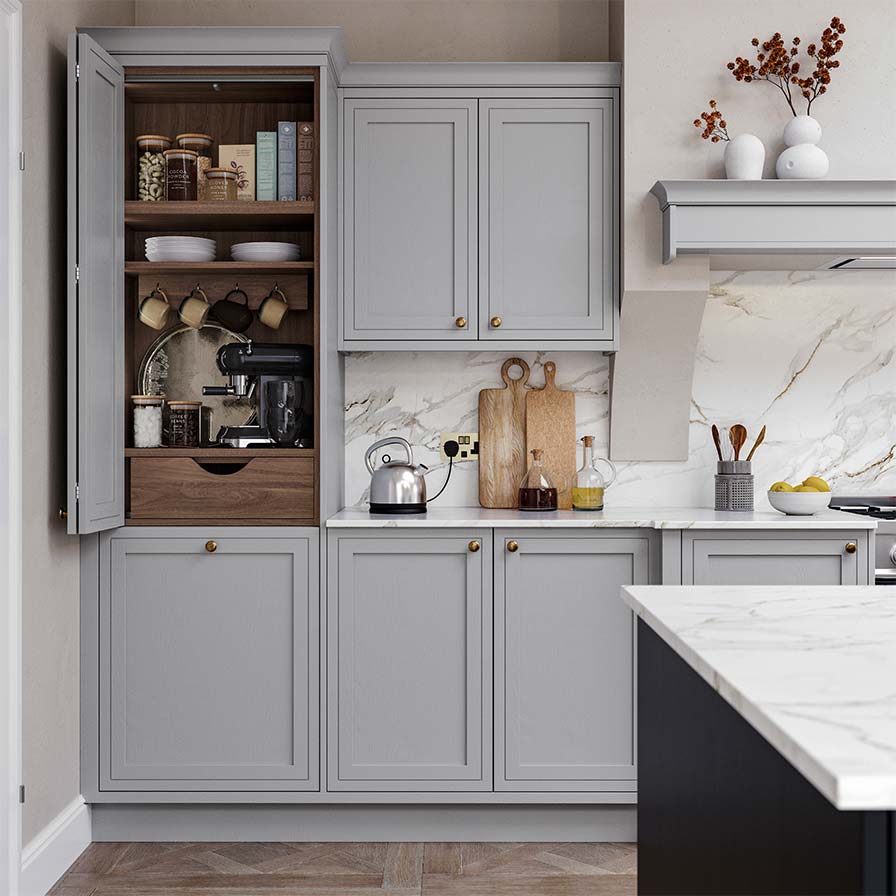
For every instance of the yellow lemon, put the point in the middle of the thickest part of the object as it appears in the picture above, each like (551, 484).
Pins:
(781, 487)
(817, 483)
(806, 488)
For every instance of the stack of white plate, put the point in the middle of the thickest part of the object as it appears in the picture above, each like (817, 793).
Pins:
(266, 252)
(180, 248)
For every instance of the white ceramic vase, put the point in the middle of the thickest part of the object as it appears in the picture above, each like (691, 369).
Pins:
(803, 159)
(744, 158)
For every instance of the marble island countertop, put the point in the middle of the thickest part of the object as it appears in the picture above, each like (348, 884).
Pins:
(812, 669)
(611, 518)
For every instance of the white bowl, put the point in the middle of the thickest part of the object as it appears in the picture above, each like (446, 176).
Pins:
(799, 503)
(266, 251)
(179, 241)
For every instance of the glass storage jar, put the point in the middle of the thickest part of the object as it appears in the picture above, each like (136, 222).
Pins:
(147, 420)
(181, 174)
(220, 184)
(201, 144)
(183, 423)
(151, 167)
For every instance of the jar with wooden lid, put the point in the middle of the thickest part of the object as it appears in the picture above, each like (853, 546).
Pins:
(147, 420)
(181, 174)
(201, 144)
(221, 184)
(183, 423)
(151, 167)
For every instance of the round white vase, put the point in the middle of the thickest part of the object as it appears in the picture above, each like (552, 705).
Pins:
(803, 159)
(744, 158)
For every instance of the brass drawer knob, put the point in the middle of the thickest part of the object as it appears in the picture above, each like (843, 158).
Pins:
(211, 546)
(63, 513)
(474, 546)
(496, 322)
(851, 547)
(513, 546)
(460, 323)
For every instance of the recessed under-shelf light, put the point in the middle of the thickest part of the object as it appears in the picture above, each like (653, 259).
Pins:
(863, 263)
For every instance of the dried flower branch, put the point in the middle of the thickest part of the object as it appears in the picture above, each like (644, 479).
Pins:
(779, 65)
(715, 127)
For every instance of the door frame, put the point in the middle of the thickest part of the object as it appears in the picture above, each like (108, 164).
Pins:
(10, 445)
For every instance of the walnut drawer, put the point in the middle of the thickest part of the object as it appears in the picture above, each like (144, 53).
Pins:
(186, 488)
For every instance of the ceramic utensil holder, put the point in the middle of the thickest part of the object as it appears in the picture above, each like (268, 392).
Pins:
(734, 485)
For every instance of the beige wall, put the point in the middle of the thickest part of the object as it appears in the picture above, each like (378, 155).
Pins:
(418, 30)
(50, 567)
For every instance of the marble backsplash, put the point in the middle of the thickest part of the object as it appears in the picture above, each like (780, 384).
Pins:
(809, 354)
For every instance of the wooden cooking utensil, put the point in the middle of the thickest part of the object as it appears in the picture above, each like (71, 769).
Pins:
(716, 440)
(502, 438)
(759, 440)
(551, 426)
(738, 434)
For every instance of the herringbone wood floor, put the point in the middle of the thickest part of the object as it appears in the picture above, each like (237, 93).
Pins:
(352, 869)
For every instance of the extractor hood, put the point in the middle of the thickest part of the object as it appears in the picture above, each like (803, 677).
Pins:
(863, 263)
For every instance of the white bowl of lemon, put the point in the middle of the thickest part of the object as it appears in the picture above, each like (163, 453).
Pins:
(811, 496)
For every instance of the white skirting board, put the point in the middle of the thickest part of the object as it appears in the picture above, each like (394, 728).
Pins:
(373, 823)
(50, 854)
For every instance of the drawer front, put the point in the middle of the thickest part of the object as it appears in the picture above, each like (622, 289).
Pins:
(186, 488)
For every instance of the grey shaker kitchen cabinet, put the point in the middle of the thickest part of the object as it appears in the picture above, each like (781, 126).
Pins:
(95, 490)
(208, 660)
(409, 681)
(409, 228)
(776, 558)
(547, 219)
(564, 658)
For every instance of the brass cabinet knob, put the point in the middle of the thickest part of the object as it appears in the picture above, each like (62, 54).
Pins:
(474, 546)
(211, 546)
(496, 322)
(460, 323)
(63, 513)
(851, 547)
(513, 546)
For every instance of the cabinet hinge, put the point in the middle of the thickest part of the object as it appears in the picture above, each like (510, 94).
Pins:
(77, 491)
(77, 70)
(21, 161)
(77, 273)
(21, 793)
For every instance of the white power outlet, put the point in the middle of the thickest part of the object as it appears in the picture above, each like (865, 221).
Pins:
(468, 441)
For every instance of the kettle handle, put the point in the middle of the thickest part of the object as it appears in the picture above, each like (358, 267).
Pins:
(391, 440)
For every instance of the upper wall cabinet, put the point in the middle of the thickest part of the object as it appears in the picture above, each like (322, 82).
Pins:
(487, 220)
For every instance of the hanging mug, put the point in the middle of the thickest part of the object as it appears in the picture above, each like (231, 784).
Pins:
(273, 308)
(194, 310)
(154, 310)
(232, 314)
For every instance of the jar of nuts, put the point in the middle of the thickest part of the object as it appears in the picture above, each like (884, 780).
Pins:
(151, 167)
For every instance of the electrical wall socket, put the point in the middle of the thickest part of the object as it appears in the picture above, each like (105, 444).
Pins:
(468, 441)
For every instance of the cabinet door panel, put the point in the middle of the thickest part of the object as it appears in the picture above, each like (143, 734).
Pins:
(95, 300)
(547, 219)
(564, 662)
(211, 680)
(409, 644)
(410, 219)
(772, 559)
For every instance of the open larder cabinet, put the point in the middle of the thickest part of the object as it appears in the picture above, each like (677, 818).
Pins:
(110, 482)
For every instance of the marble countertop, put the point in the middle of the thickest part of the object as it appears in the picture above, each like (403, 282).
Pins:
(611, 518)
(813, 669)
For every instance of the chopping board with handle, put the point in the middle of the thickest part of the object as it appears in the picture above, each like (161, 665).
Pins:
(502, 438)
(551, 426)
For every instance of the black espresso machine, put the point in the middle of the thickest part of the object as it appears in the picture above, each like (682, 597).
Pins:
(279, 379)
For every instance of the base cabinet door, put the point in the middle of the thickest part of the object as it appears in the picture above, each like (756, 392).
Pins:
(775, 558)
(564, 658)
(409, 661)
(209, 660)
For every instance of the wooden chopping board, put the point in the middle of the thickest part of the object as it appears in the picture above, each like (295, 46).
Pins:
(502, 438)
(551, 426)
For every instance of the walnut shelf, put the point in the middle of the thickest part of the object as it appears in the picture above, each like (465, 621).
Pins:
(220, 453)
(240, 215)
(153, 268)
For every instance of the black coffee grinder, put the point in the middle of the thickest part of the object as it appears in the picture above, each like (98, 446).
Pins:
(280, 378)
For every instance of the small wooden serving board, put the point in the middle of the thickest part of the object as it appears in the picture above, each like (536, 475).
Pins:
(502, 438)
(551, 426)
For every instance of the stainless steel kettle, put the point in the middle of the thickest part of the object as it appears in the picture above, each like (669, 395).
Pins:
(396, 486)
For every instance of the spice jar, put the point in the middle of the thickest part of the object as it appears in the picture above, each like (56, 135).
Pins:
(151, 167)
(147, 420)
(183, 423)
(181, 174)
(201, 144)
(220, 184)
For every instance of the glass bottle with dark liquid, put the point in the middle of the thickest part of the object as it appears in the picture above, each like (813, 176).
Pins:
(537, 492)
